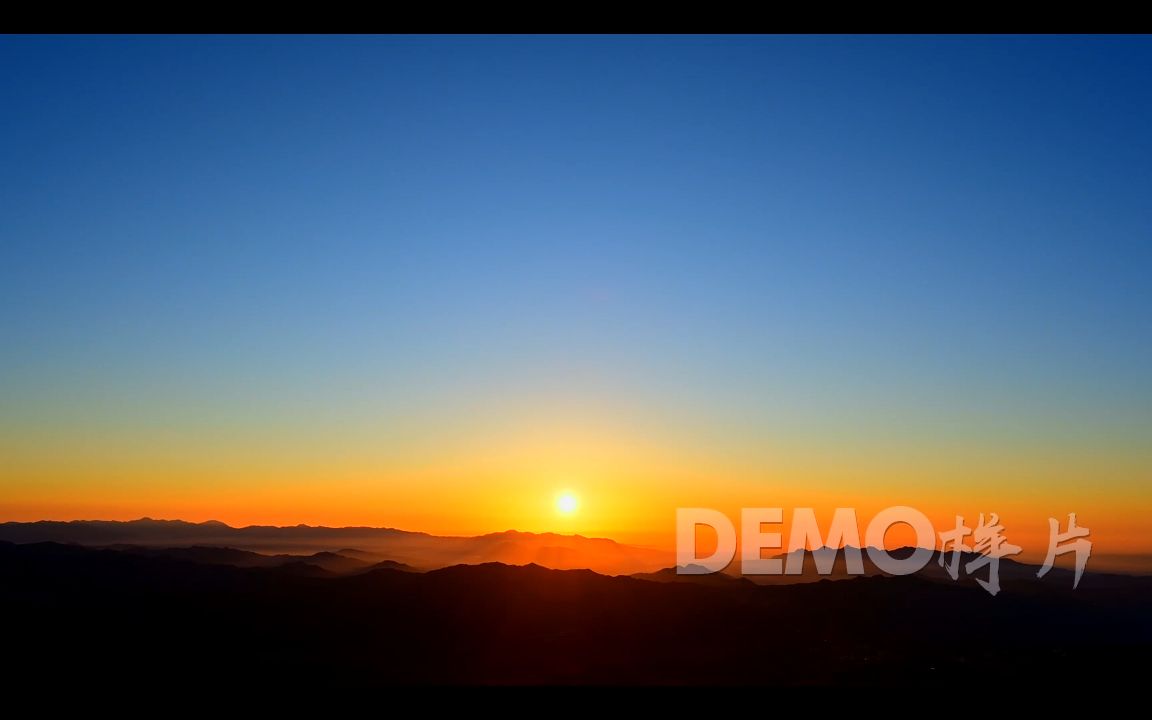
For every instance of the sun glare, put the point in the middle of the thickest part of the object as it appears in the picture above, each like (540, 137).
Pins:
(567, 503)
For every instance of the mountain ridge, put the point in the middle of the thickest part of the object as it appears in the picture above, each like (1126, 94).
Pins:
(493, 623)
(419, 550)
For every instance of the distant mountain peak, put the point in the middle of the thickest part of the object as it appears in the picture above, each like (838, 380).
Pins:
(418, 550)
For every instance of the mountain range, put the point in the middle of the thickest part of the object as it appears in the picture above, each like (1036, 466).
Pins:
(99, 618)
(348, 550)
(416, 549)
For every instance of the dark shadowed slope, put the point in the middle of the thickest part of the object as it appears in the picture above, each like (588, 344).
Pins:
(809, 570)
(1010, 572)
(103, 616)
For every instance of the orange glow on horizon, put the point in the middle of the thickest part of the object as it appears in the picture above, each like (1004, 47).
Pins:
(630, 485)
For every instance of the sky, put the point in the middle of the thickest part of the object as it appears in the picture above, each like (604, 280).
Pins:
(429, 282)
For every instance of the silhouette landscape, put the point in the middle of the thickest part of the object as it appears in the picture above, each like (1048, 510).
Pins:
(351, 617)
(353, 362)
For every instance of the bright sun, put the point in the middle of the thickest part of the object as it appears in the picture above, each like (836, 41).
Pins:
(567, 503)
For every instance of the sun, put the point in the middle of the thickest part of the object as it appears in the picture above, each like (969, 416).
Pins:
(567, 503)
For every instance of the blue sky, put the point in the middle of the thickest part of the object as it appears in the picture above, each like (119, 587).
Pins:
(908, 240)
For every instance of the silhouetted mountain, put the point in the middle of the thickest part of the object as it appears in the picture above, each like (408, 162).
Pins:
(149, 532)
(806, 560)
(206, 555)
(1010, 571)
(86, 617)
(369, 557)
(331, 562)
(698, 577)
(301, 568)
(390, 565)
(418, 550)
(327, 561)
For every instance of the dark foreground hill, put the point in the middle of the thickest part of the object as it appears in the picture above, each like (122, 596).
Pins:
(81, 616)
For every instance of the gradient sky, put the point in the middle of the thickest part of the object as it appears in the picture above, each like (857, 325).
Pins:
(427, 282)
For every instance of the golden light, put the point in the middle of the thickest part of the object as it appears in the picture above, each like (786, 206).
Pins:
(567, 503)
